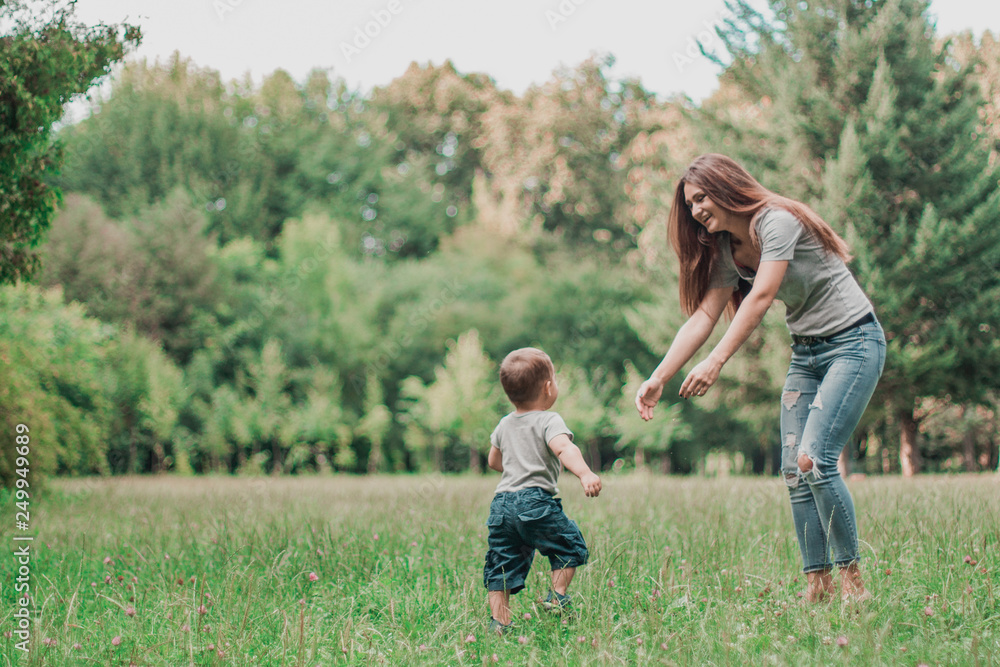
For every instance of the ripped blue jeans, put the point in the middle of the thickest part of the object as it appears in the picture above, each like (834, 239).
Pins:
(827, 389)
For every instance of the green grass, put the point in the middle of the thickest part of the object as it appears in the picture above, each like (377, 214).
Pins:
(682, 571)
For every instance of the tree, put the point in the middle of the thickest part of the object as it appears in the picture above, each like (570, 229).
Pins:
(43, 63)
(154, 272)
(878, 129)
(585, 411)
(461, 403)
(56, 378)
(642, 437)
(374, 424)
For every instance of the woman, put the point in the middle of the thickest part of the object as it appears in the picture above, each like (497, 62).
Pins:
(730, 232)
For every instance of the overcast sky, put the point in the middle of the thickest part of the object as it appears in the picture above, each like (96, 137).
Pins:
(517, 42)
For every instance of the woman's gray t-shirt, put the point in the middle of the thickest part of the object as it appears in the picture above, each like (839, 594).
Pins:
(523, 441)
(819, 292)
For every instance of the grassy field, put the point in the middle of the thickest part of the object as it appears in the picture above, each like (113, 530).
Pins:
(388, 570)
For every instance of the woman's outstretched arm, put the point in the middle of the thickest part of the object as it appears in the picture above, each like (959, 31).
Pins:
(691, 336)
(749, 315)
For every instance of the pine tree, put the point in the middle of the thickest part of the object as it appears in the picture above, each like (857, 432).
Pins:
(877, 127)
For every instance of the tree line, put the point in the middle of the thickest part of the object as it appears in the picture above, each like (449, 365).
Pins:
(292, 277)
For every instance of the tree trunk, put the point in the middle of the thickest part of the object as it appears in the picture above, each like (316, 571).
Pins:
(640, 458)
(374, 456)
(474, 460)
(844, 461)
(275, 458)
(968, 445)
(993, 455)
(594, 454)
(909, 453)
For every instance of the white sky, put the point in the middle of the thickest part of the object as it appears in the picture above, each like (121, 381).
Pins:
(517, 42)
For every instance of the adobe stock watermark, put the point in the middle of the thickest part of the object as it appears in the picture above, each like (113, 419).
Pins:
(705, 39)
(389, 350)
(364, 34)
(562, 12)
(223, 7)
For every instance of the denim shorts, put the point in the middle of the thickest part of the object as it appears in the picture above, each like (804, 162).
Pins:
(520, 522)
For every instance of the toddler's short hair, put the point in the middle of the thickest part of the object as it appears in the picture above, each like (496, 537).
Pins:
(523, 374)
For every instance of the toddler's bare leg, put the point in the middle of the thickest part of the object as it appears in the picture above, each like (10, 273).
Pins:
(500, 606)
(561, 579)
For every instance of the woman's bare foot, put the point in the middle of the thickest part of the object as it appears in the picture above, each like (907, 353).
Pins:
(820, 586)
(852, 586)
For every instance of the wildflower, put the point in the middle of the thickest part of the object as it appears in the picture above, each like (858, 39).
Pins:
(211, 647)
(663, 645)
(494, 658)
(888, 572)
(841, 641)
(413, 544)
(116, 640)
(581, 639)
(470, 638)
(185, 628)
(48, 641)
(928, 611)
(527, 616)
(313, 576)
(522, 640)
(638, 640)
(77, 646)
(422, 647)
(220, 653)
(375, 537)
(130, 611)
(202, 609)
(93, 584)
(107, 560)
(107, 579)
(611, 583)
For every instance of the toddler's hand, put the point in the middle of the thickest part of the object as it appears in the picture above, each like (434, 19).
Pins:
(591, 485)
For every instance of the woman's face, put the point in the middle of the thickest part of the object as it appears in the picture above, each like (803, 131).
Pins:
(711, 216)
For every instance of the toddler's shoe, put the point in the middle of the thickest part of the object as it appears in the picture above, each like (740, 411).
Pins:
(555, 602)
(499, 628)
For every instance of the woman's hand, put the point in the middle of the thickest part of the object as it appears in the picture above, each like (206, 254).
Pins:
(701, 378)
(647, 398)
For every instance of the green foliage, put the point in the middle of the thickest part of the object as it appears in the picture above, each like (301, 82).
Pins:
(641, 437)
(460, 405)
(147, 391)
(878, 126)
(42, 65)
(154, 272)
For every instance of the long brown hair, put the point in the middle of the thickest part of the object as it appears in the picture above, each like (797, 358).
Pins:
(732, 188)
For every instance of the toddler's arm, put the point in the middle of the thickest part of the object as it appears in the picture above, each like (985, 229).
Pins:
(572, 459)
(495, 459)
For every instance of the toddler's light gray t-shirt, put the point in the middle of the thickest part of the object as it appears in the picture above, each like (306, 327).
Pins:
(819, 292)
(523, 441)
